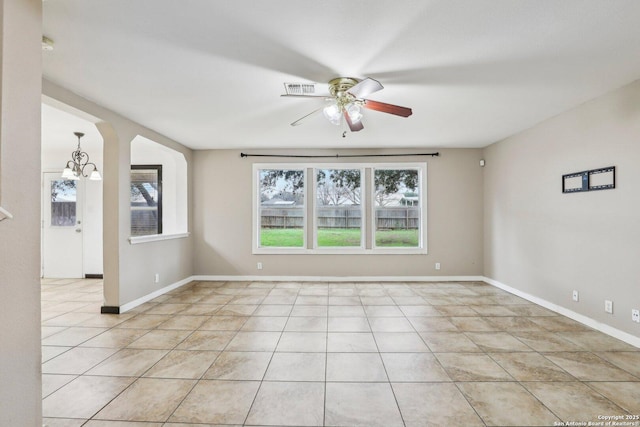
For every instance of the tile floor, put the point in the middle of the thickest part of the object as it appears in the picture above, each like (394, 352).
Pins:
(332, 354)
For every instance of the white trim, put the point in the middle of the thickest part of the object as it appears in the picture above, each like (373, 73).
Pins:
(130, 305)
(339, 278)
(136, 240)
(592, 323)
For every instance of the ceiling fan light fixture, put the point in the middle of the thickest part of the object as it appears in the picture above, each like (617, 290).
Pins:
(333, 113)
(354, 111)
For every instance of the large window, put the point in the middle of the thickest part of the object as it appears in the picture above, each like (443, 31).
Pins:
(397, 207)
(338, 221)
(352, 208)
(281, 208)
(146, 200)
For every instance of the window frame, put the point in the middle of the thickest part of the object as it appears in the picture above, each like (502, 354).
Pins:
(367, 189)
(256, 209)
(422, 219)
(363, 205)
(158, 169)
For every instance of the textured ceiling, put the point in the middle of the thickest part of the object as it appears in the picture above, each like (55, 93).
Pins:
(209, 73)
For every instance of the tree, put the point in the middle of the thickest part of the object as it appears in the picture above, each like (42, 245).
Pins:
(341, 184)
(346, 183)
(293, 179)
(332, 189)
(390, 181)
(59, 187)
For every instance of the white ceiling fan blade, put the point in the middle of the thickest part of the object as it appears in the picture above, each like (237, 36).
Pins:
(365, 88)
(298, 122)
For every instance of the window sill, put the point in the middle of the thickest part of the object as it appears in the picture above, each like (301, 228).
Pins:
(136, 240)
(339, 251)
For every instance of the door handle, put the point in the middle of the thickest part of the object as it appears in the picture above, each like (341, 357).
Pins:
(78, 230)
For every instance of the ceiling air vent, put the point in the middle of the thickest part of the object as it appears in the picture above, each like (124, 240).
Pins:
(300, 88)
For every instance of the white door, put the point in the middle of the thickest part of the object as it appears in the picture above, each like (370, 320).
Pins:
(62, 227)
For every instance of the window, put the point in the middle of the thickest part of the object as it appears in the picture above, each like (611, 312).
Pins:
(171, 217)
(353, 208)
(63, 203)
(338, 221)
(281, 208)
(397, 207)
(146, 200)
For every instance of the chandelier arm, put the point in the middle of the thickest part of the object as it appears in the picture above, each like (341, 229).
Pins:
(95, 168)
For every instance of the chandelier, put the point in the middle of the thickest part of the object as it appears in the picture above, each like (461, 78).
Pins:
(79, 161)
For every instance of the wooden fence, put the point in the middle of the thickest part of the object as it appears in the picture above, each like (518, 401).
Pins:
(63, 214)
(341, 217)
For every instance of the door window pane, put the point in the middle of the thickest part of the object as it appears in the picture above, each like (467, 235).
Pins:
(397, 208)
(281, 211)
(338, 208)
(146, 200)
(63, 203)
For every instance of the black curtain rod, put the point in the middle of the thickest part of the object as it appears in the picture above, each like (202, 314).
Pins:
(337, 156)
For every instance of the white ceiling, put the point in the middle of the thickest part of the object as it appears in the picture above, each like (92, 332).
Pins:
(209, 73)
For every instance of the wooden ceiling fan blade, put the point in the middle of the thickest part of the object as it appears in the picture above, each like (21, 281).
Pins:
(298, 122)
(387, 108)
(365, 88)
(355, 127)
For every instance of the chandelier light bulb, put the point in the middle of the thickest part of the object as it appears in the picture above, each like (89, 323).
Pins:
(67, 173)
(95, 176)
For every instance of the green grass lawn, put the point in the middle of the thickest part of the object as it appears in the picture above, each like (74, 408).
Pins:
(397, 238)
(336, 237)
(281, 237)
(339, 237)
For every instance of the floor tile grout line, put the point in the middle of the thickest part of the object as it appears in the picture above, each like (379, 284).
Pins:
(395, 398)
(456, 384)
(326, 362)
(246, 418)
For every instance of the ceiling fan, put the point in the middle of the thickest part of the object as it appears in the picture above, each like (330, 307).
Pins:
(346, 96)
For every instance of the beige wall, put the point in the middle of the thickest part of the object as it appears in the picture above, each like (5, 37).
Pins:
(20, 354)
(223, 220)
(129, 270)
(546, 243)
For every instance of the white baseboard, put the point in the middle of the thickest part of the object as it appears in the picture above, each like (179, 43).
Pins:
(339, 278)
(128, 306)
(599, 326)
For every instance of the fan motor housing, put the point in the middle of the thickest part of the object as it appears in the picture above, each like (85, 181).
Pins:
(340, 85)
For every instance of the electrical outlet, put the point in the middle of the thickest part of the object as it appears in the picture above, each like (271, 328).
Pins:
(575, 296)
(635, 315)
(437, 266)
(608, 306)
(259, 266)
(157, 278)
